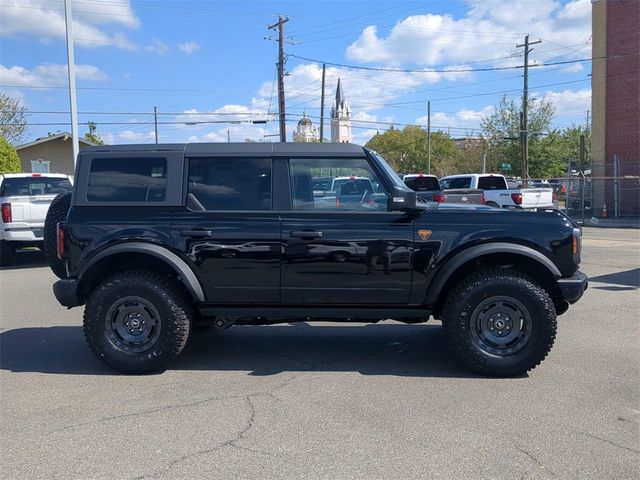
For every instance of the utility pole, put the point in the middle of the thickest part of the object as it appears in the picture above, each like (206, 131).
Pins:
(280, 26)
(582, 151)
(228, 136)
(525, 105)
(324, 67)
(71, 67)
(155, 122)
(429, 137)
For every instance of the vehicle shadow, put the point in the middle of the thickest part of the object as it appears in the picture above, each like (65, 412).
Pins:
(627, 278)
(389, 349)
(27, 259)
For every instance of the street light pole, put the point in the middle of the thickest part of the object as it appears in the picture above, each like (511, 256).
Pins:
(71, 67)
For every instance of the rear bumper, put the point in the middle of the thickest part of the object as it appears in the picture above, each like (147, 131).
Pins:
(66, 292)
(573, 288)
(23, 234)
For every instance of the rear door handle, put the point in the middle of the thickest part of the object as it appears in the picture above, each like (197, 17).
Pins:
(197, 233)
(305, 234)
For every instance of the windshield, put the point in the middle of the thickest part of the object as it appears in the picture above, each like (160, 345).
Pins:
(422, 184)
(34, 186)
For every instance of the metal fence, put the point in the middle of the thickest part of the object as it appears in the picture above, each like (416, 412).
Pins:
(606, 190)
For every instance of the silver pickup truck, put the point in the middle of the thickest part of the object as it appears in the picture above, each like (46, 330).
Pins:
(428, 189)
(24, 202)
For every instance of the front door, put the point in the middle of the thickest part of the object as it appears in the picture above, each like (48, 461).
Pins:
(229, 230)
(343, 246)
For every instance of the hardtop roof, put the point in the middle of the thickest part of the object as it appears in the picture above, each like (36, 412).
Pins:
(245, 149)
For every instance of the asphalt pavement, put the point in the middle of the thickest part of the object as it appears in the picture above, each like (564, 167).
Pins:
(325, 401)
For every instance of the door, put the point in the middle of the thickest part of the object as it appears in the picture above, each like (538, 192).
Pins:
(343, 246)
(229, 230)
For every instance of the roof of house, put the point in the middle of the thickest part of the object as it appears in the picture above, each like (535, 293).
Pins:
(63, 135)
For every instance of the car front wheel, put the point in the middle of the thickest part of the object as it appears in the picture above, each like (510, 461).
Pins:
(137, 321)
(500, 322)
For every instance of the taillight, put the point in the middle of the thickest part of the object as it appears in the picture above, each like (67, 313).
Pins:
(555, 197)
(438, 197)
(60, 236)
(576, 245)
(6, 212)
(484, 200)
(517, 198)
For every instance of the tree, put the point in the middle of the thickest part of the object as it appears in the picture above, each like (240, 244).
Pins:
(406, 149)
(13, 121)
(501, 130)
(92, 135)
(9, 160)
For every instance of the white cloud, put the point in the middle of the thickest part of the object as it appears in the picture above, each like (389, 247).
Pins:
(46, 19)
(490, 29)
(569, 102)
(48, 74)
(461, 121)
(237, 133)
(189, 47)
(157, 46)
(127, 136)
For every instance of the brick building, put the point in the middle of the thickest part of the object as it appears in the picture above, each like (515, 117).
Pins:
(615, 85)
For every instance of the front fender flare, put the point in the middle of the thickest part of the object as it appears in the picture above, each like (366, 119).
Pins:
(187, 276)
(444, 272)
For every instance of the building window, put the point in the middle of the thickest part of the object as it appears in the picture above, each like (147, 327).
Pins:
(40, 166)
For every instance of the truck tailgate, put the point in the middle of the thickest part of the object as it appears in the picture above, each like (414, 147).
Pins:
(537, 197)
(38, 207)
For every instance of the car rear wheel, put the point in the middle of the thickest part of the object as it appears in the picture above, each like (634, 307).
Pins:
(137, 321)
(57, 213)
(492, 204)
(500, 322)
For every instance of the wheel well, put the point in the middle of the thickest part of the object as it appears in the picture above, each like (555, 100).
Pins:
(529, 266)
(120, 262)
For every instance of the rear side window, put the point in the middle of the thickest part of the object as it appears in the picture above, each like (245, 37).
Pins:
(491, 183)
(127, 180)
(454, 183)
(34, 186)
(229, 184)
(422, 184)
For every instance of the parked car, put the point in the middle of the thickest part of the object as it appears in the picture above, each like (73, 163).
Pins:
(25, 199)
(498, 194)
(142, 242)
(427, 188)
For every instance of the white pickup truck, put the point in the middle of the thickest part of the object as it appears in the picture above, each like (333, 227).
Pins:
(497, 193)
(24, 202)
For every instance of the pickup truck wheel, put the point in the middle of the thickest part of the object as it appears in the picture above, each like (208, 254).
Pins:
(500, 322)
(492, 204)
(57, 213)
(6, 253)
(137, 321)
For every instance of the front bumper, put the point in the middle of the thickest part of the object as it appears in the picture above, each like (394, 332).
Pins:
(573, 288)
(66, 292)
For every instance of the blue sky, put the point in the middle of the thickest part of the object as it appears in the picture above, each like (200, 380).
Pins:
(208, 61)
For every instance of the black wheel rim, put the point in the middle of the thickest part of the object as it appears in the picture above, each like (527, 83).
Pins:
(132, 324)
(501, 325)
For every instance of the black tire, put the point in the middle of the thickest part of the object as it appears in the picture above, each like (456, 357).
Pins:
(492, 204)
(57, 213)
(500, 322)
(163, 313)
(7, 251)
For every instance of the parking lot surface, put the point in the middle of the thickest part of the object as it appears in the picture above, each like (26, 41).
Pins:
(327, 400)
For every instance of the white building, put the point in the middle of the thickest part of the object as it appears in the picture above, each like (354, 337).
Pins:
(341, 118)
(305, 132)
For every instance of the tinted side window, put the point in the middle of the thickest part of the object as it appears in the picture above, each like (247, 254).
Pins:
(353, 185)
(127, 180)
(454, 183)
(491, 183)
(230, 183)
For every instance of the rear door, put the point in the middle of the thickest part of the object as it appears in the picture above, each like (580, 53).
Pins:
(229, 230)
(343, 250)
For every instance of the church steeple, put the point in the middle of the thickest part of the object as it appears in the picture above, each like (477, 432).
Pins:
(340, 118)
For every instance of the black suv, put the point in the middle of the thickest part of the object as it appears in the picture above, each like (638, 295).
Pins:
(158, 238)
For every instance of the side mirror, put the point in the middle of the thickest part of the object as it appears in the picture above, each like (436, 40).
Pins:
(402, 199)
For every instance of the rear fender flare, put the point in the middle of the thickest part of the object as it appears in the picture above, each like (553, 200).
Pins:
(186, 274)
(449, 268)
